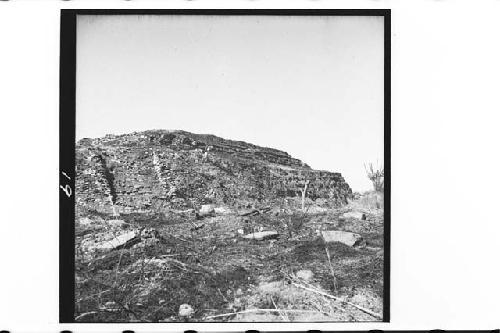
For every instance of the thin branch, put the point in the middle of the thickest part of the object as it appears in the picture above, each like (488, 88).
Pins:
(282, 314)
(260, 310)
(220, 292)
(85, 314)
(118, 266)
(331, 269)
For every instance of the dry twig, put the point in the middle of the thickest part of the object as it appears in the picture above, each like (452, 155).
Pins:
(282, 314)
(85, 314)
(260, 310)
(331, 269)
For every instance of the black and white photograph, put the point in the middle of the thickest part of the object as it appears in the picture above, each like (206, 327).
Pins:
(249, 166)
(229, 168)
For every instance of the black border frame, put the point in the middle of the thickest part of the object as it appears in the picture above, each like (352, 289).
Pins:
(67, 116)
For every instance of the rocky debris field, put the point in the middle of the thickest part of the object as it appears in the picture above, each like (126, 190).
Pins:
(230, 264)
(176, 226)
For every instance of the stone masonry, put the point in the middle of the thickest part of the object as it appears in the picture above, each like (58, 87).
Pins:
(157, 170)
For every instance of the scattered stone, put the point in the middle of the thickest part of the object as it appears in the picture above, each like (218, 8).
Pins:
(262, 235)
(305, 275)
(206, 210)
(354, 215)
(110, 306)
(117, 223)
(150, 233)
(85, 221)
(186, 310)
(222, 211)
(197, 226)
(347, 238)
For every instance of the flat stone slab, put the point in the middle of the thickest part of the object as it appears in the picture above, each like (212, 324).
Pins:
(262, 235)
(347, 238)
(116, 241)
(116, 223)
(354, 215)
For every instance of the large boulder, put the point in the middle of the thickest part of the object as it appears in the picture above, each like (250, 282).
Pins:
(347, 238)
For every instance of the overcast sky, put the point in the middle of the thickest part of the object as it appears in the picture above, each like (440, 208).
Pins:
(311, 86)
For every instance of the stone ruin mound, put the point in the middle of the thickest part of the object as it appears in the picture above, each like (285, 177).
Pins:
(156, 170)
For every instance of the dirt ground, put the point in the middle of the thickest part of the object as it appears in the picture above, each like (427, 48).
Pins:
(207, 264)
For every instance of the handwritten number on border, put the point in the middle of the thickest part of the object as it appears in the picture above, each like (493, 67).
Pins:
(66, 188)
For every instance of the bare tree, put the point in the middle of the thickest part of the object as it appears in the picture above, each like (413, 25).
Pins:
(304, 192)
(376, 175)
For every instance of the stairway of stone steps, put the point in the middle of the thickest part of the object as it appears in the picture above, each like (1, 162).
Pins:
(102, 181)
